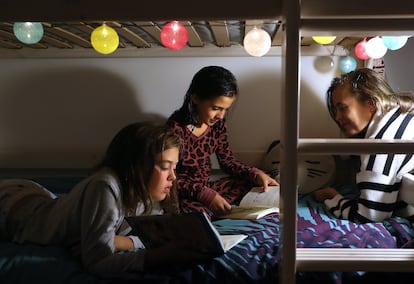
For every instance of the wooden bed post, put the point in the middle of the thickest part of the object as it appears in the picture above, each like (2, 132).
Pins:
(289, 139)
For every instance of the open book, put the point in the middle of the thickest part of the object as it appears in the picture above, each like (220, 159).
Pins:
(256, 204)
(156, 230)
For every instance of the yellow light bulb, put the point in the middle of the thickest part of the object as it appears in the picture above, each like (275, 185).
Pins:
(324, 39)
(104, 39)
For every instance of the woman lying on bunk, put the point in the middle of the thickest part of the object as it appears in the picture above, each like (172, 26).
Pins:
(138, 168)
(364, 105)
(201, 124)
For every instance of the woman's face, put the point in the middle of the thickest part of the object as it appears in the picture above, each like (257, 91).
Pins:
(163, 175)
(211, 111)
(352, 115)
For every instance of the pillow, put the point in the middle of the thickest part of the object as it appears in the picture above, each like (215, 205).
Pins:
(314, 171)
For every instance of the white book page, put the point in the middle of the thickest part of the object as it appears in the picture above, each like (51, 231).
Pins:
(230, 241)
(257, 197)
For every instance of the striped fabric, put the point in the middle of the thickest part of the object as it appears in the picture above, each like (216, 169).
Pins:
(380, 175)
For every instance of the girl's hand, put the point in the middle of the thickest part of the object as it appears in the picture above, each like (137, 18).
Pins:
(123, 243)
(219, 205)
(321, 195)
(262, 179)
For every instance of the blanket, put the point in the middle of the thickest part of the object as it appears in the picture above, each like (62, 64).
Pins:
(254, 260)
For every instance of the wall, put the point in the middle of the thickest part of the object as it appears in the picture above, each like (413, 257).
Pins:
(62, 113)
(399, 67)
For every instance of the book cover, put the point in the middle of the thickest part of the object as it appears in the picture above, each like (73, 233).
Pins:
(256, 204)
(156, 230)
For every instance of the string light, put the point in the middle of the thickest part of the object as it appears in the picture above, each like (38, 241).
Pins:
(394, 42)
(257, 42)
(104, 39)
(360, 50)
(347, 64)
(28, 32)
(375, 48)
(174, 35)
(324, 39)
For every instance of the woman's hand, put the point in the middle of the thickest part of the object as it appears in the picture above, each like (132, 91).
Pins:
(262, 179)
(219, 205)
(321, 195)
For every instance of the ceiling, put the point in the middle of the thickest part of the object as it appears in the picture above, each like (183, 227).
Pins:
(140, 37)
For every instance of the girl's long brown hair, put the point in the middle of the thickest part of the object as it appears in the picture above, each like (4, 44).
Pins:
(131, 155)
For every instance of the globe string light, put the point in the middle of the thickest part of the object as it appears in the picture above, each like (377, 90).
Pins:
(28, 32)
(104, 39)
(257, 42)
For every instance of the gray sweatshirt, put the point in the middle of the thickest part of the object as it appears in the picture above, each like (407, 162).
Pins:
(90, 215)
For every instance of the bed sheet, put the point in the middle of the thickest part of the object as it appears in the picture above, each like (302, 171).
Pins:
(254, 260)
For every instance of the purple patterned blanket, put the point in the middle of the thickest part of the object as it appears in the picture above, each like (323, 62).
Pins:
(254, 260)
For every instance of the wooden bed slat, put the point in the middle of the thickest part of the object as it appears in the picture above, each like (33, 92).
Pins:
(364, 259)
(221, 33)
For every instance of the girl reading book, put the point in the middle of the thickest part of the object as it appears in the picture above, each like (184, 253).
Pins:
(138, 170)
(200, 123)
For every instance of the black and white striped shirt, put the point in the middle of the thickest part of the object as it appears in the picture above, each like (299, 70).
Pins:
(380, 175)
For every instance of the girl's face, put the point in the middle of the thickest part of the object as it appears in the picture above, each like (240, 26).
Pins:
(352, 115)
(211, 111)
(163, 175)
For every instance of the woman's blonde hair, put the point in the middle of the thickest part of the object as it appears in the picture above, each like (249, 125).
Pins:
(368, 85)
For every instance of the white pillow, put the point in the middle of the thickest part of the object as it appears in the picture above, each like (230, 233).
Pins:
(314, 171)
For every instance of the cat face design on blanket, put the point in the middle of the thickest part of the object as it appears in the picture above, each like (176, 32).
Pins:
(314, 171)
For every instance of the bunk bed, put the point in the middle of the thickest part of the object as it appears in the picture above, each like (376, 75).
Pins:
(280, 248)
(334, 17)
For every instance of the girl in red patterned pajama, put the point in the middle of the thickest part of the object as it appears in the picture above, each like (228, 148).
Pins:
(200, 122)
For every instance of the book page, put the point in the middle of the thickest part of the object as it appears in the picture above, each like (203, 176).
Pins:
(253, 212)
(257, 197)
(230, 241)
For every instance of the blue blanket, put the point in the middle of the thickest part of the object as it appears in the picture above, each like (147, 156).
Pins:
(254, 260)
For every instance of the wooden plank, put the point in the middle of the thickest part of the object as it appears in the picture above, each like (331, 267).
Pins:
(8, 44)
(369, 9)
(358, 259)
(8, 35)
(68, 35)
(194, 39)
(127, 33)
(220, 32)
(55, 42)
(357, 27)
(132, 10)
(278, 36)
(250, 24)
(320, 146)
(84, 27)
(151, 28)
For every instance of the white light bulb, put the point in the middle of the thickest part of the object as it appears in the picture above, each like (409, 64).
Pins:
(375, 48)
(257, 42)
